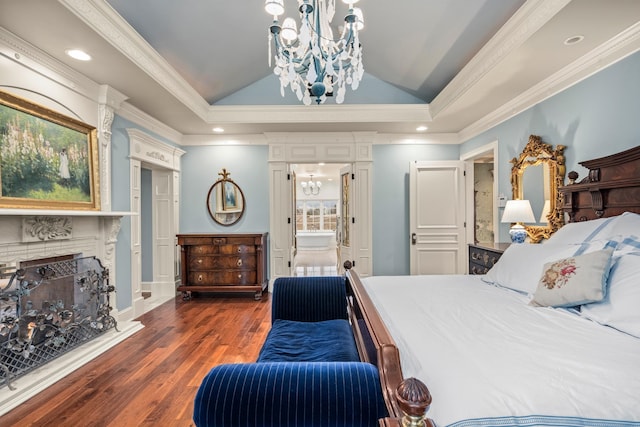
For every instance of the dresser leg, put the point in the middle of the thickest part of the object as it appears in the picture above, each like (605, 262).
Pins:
(186, 295)
(258, 296)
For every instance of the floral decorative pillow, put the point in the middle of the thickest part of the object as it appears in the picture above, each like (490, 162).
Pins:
(575, 280)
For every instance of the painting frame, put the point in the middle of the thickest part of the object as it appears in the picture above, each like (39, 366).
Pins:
(58, 154)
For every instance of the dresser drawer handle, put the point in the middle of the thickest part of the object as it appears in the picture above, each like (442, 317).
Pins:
(239, 262)
(199, 260)
(200, 278)
(218, 241)
(239, 276)
(239, 250)
(475, 255)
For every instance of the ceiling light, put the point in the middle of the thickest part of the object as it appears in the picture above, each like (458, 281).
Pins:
(218, 130)
(311, 187)
(310, 61)
(421, 128)
(78, 54)
(573, 40)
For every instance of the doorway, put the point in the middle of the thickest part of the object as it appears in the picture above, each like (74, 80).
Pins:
(155, 178)
(317, 213)
(482, 196)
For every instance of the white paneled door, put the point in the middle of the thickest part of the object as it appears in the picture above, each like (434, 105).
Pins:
(437, 217)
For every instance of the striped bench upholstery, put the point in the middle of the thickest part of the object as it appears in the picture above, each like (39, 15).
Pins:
(309, 299)
(314, 394)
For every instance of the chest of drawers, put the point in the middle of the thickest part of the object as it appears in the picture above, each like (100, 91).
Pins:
(483, 256)
(223, 263)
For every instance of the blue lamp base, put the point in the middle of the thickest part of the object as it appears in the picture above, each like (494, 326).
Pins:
(518, 233)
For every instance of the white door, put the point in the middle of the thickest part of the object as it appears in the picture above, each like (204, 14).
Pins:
(163, 235)
(136, 245)
(437, 217)
(345, 230)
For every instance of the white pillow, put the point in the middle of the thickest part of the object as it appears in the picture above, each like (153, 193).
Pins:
(621, 307)
(584, 231)
(520, 266)
(573, 281)
(627, 224)
(597, 229)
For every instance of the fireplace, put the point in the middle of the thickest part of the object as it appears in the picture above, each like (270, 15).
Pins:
(48, 308)
(72, 249)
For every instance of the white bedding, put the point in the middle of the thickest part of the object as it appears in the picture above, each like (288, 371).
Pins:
(484, 352)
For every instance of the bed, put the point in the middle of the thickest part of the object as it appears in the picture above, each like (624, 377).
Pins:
(549, 336)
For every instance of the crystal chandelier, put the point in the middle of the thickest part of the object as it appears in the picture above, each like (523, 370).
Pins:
(311, 62)
(311, 188)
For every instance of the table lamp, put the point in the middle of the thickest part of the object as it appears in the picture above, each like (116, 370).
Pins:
(517, 212)
(545, 212)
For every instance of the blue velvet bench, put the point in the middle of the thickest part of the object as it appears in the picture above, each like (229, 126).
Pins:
(308, 372)
(309, 322)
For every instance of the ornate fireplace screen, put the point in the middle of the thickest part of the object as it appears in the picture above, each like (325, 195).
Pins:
(49, 309)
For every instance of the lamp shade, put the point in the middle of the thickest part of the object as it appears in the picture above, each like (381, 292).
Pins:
(518, 211)
(274, 7)
(289, 30)
(545, 212)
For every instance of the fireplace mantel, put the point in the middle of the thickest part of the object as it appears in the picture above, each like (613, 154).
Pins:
(57, 212)
(28, 234)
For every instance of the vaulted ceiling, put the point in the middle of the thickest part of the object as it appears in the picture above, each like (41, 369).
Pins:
(454, 65)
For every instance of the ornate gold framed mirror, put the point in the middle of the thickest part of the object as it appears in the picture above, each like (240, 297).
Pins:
(536, 176)
(225, 200)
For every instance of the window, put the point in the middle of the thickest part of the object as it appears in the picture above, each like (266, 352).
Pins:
(316, 215)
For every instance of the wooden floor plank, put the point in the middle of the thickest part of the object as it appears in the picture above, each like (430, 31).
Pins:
(151, 378)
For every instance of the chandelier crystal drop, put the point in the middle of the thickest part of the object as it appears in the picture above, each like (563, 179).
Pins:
(309, 60)
(311, 187)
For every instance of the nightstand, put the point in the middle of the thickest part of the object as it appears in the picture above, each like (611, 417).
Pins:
(482, 256)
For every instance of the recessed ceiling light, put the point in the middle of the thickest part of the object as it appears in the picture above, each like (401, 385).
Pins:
(573, 40)
(421, 128)
(218, 130)
(78, 54)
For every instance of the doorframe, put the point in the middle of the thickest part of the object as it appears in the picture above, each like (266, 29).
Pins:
(151, 153)
(469, 157)
(292, 148)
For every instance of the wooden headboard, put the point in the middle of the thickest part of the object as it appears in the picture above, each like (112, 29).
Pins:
(611, 188)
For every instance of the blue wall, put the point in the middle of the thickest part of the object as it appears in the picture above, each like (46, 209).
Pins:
(594, 118)
(249, 169)
(391, 201)
(120, 202)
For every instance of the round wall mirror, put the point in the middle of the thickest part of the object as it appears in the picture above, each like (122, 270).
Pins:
(225, 200)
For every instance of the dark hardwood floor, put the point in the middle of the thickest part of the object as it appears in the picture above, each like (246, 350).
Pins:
(151, 378)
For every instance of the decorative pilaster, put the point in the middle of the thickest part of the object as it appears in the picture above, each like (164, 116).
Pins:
(109, 102)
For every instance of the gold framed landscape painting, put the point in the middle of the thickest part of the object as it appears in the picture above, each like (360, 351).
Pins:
(47, 160)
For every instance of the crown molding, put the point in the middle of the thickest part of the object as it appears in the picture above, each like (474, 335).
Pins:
(518, 29)
(105, 21)
(350, 113)
(139, 117)
(617, 48)
(413, 139)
